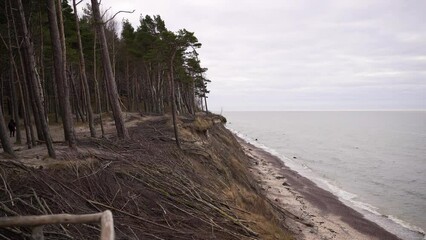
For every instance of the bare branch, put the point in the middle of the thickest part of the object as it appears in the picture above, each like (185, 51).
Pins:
(4, 42)
(117, 14)
(103, 15)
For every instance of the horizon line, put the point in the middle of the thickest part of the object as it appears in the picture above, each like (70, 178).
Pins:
(325, 110)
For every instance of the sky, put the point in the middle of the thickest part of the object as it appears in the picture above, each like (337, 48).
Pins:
(302, 54)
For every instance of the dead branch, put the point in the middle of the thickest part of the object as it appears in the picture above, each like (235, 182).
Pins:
(117, 14)
(132, 215)
(105, 219)
(6, 188)
(49, 219)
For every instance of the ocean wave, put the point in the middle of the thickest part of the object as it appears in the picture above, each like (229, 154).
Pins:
(350, 199)
(407, 225)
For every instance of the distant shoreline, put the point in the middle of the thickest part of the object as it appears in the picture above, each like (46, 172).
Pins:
(323, 213)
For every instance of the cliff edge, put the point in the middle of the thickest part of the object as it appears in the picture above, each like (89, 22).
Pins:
(154, 189)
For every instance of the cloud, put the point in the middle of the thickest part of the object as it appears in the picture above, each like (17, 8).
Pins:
(305, 54)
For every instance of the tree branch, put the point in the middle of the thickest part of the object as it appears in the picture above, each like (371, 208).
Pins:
(103, 15)
(117, 14)
(4, 42)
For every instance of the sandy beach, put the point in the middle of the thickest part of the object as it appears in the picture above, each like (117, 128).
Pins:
(316, 213)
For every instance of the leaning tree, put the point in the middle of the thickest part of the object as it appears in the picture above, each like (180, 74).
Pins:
(108, 73)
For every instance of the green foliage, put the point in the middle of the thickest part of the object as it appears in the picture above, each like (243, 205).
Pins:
(153, 43)
(144, 56)
(70, 31)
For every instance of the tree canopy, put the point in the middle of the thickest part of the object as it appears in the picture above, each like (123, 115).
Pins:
(154, 69)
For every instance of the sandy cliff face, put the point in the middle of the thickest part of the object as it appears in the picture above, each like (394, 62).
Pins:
(154, 190)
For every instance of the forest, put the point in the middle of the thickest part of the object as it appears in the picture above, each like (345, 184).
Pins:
(63, 63)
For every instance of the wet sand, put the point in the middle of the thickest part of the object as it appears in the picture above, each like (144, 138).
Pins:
(314, 213)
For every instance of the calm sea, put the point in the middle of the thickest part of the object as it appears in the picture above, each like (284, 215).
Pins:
(373, 161)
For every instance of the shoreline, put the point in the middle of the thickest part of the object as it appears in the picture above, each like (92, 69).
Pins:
(317, 213)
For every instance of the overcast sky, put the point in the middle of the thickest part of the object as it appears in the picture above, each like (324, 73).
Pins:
(303, 54)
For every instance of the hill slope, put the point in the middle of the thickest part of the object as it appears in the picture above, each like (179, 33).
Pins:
(154, 190)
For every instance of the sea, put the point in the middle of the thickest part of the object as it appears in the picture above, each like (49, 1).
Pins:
(373, 161)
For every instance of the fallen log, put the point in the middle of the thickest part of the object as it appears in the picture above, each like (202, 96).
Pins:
(105, 218)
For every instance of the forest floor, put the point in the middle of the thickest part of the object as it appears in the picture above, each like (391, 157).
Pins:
(37, 156)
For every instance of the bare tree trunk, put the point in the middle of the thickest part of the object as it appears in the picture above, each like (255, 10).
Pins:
(31, 141)
(29, 131)
(129, 99)
(42, 75)
(1, 90)
(109, 76)
(97, 91)
(55, 98)
(29, 71)
(60, 74)
(15, 101)
(98, 100)
(205, 103)
(202, 104)
(106, 93)
(5, 140)
(172, 91)
(83, 75)
(179, 100)
(15, 105)
(27, 122)
(78, 111)
(193, 98)
(29, 51)
(134, 97)
(34, 106)
(113, 54)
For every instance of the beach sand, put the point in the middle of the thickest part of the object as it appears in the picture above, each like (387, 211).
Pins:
(314, 213)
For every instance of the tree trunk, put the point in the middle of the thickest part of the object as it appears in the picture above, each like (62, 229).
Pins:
(5, 140)
(29, 51)
(29, 71)
(106, 93)
(78, 111)
(27, 122)
(55, 98)
(127, 77)
(58, 50)
(1, 90)
(42, 75)
(97, 91)
(84, 76)
(109, 77)
(179, 100)
(172, 91)
(205, 103)
(15, 101)
(202, 104)
(23, 87)
(15, 105)
(26, 104)
(193, 98)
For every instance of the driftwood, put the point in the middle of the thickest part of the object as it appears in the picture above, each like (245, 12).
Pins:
(37, 222)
